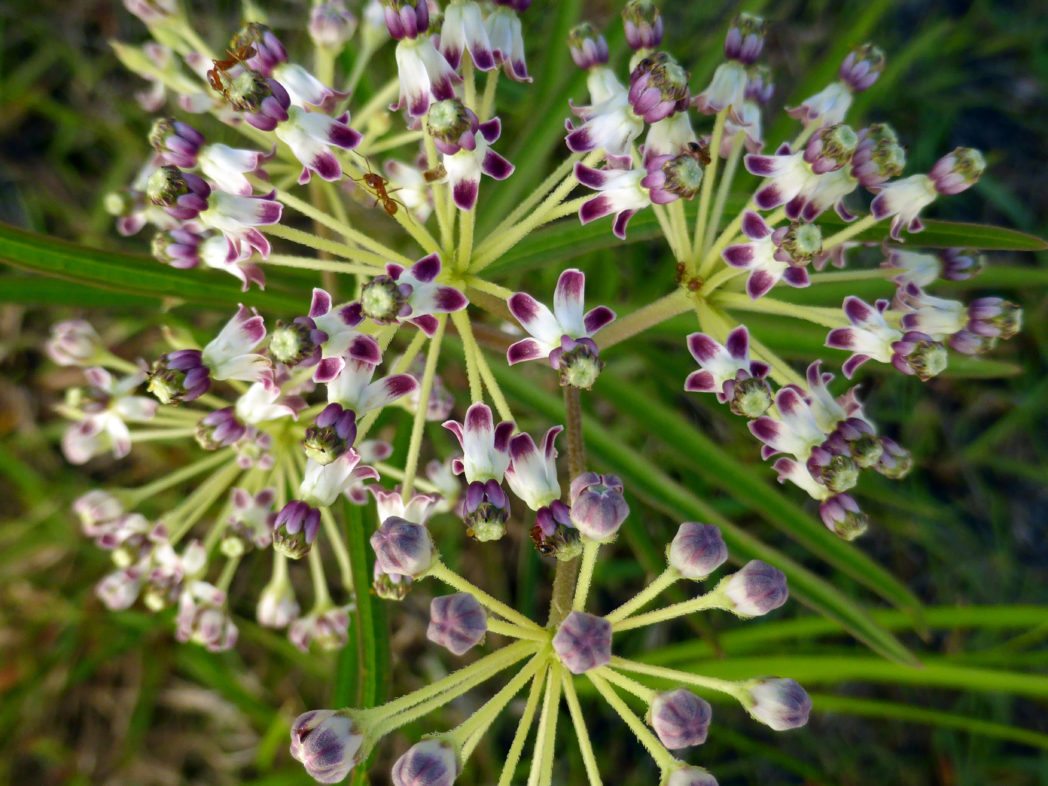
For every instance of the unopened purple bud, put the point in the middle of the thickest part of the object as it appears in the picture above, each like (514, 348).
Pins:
(958, 171)
(182, 195)
(658, 87)
(961, 264)
(878, 156)
(269, 51)
(643, 24)
(391, 586)
(406, 18)
(327, 743)
(994, 317)
(895, 461)
(697, 550)
(179, 376)
(838, 472)
(755, 590)
(583, 642)
(295, 529)
(177, 248)
(862, 67)
(680, 718)
(403, 547)
(679, 176)
(177, 143)
(745, 39)
(485, 509)
(831, 148)
(457, 622)
(843, 517)
(331, 25)
(427, 763)
(778, 703)
(588, 47)
(690, 776)
(97, 507)
(219, 428)
(597, 506)
(332, 434)
(918, 353)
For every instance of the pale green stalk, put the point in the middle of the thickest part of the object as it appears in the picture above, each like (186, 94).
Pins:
(228, 571)
(469, 81)
(720, 278)
(720, 325)
(679, 223)
(579, 722)
(665, 579)
(853, 275)
(532, 199)
(515, 631)
(545, 742)
(520, 737)
(711, 683)
(699, 238)
(149, 435)
(492, 385)
(487, 103)
(585, 579)
(827, 317)
(464, 248)
(723, 189)
(676, 302)
(399, 367)
(848, 232)
(642, 692)
(415, 446)
(469, 345)
(321, 596)
(198, 503)
(391, 142)
(668, 231)
(663, 758)
(470, 732)
(441, 195)
(325, 265)
(442, 572)
(488, 288)
(338, 546)
(378, 103)
(134, 497)
(398, 474)
(711, 600)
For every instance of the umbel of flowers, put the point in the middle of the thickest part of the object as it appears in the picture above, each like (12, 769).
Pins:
(287, 414)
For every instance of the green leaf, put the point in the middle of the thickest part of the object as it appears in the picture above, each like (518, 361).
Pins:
(129, 274)
(665, 494)
(948, 234)
(748, 486)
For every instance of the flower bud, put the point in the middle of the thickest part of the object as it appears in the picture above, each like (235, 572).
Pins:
(176, 143)
(457, 622)
(961, 264)
(958, 171)
(994, 318)
(690, 776)
(658, 88)
(383, 300)
(836, 472)
(219, 428)
(277, 606)
(583, 642)
(331, 25)
(597, 506)
(578, 362)
(292, 343)
(831, 148)
(390, 586)
(182, 195)
(878, 156)
(755, 590)
(485, 509)
(745, 39)
(327, 743)
(403, 547)
(778, 703)
(697, 550)
(203, 619)
(917, 353)
(587, 46)
(332, 434)
(427, 763)
(643, 24)
(676, 176)
(295, 529)
(406, 18)
(680, 718)
(328, 628)
(895, 461)
(95, 508)
(842, 516)
(862, 67)
(179, 376)
(74, 343)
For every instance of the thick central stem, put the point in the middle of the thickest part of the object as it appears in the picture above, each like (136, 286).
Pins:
(568, 570)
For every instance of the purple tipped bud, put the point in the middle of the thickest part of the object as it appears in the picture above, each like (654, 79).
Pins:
(331, 25)
(403, 547)
(745, 39)
(843, 517)
(917, 353)
(878, 156)
(837, 472)
(457, 622)
(755, 590)
(680, 718)
(296, 342)
(327, 743)
(485, 509)
(583, 642)
(831, 148)
(961, 264)
(670, 176)
(862, 67)
(182, 195)
(406, 18)
(219, 428)
(382, 299)
(597, 506)
(958, 171)
(895, 461)
(778, 703)
(588, 47)
(697, 550)
(994, 318)
(690, 776)
(643, 24)
(427, 763)
(176, 142)
(295, 529)
(332, 434)
(179, 376)
(658, 87)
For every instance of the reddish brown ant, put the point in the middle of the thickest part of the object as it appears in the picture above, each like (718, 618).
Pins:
(215, 74)
(376, 184)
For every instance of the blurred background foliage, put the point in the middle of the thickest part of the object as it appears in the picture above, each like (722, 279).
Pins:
(87, 696)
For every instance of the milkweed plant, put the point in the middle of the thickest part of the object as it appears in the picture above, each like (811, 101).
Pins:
(283, 413)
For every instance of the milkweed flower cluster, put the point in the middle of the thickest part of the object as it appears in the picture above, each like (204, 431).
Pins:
(291, 415)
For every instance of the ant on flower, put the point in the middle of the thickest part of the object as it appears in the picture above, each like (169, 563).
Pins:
(221, 67)
(376, 185)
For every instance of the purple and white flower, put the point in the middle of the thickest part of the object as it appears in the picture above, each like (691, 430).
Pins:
(794, 431)
(203, 618)
(354, 390)
(339, 342)
(774, 255)
(507, 41)
(328, 628)
(610, 125)
(622, 192)
(463, 29)
(74, 343)
(532, 475)
(485, 446)
(417, 510)
(859, 70)
(310, 135)
(464, 143)
(322, 484)
(425, 74)
(264, 401)
(236, 217)
(410, 295)
(728, 371)
(105, 407)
